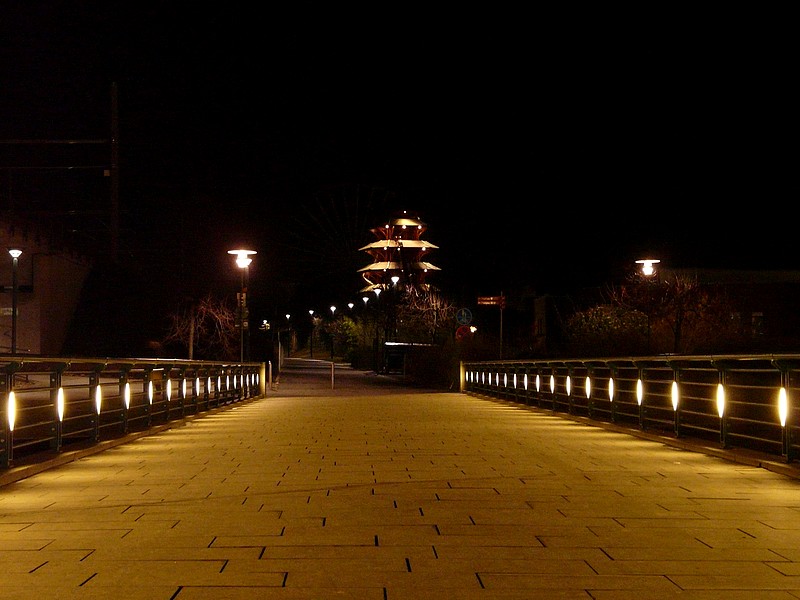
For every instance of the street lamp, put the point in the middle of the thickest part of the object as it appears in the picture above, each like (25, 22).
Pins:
(243, 261)
(311, 343)
(333, 310)
(15, 254)
(647, 266)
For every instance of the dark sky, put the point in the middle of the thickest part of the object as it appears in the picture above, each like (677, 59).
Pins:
(543, 149)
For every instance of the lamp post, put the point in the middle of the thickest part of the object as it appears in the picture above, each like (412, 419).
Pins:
(311, 342)
(648, 271)
(15, 254)
(289, 336)
(333, 310)
(243, 261)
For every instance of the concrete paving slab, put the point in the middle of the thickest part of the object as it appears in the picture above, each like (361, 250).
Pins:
(372, 490)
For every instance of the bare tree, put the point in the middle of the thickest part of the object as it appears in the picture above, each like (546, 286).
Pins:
(428, 310)
(208, 326)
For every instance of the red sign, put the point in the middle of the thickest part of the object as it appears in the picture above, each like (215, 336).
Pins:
(492, 301)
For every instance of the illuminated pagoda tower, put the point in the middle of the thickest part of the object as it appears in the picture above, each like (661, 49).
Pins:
(398, 255)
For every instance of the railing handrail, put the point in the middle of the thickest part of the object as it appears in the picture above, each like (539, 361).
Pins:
(49, 402)
(743, 400)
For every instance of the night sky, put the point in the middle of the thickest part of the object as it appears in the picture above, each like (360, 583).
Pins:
(545, 151)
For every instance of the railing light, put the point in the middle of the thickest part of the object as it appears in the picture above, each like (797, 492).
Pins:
(674, 395)
(610, 389)
(150, 392)
(720, 400)
(127, 395)
(783, 406)
(60, 404)
(525, 381)
(98, 398)
(569, 385)
(552, 384)
(639, 391)
(168, 389)
(12, 410)
(588, 386)
(538, 383)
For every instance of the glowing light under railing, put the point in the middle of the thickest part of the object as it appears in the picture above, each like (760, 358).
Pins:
(219, 382)
(639, 392)
(525, 381)
(126, 395)
(483, 377)
(168, 388)
(538, 383)
(497, 378)
(183, 387)
(60, 404)
(610, 389)
(552, 384)
(588, 386)
(150, 392)
(98, 398)
(208, 384)
(674, 395)
(12, 410)
(783, 406)
(720, 400)
(227, 382)
(196, 386)
(515, 381)
(569, 385)
(505, 379)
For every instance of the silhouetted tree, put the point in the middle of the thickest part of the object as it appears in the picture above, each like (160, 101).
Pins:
(208, 326)
(670, 315)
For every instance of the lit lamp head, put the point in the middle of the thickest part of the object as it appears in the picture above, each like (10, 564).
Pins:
(243, 259)
(647, 265)
(15, 252)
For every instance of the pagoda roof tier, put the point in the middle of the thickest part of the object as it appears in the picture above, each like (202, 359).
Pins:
(399, 243)
(396, 266)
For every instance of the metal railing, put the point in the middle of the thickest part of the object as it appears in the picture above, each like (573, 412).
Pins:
(745, 401)
(49, 404)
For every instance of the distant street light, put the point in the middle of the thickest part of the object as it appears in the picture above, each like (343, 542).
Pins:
(333, 310)
(243, 261)
(311, 343)
(647, 266)
(15, 254)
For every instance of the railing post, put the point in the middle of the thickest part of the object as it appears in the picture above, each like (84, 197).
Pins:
(124, 394)
(568, 386)
(612, 379)
(58, 426)
(94, 387)
(6, 387)
(182, 390)
(722, 408)
(149, 392)
(640, 396)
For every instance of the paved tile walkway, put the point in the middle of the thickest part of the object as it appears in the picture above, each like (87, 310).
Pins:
(374, 492)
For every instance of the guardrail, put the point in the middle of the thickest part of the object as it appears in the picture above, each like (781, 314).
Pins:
(746, 401)
(49, 404)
